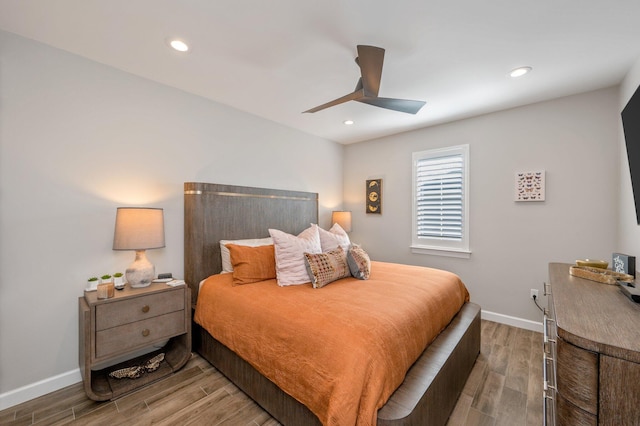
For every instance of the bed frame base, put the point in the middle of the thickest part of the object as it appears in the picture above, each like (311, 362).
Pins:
(427, 395)
(263, 391)
(434, 383)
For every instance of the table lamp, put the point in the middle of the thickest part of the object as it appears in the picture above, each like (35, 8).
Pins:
(139, 229)
(342, 218)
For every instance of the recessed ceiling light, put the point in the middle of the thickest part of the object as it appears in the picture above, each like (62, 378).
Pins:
(348, 122)
(179, 45)
(519, 72)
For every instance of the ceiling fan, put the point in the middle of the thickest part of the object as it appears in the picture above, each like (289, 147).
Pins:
(370, 59)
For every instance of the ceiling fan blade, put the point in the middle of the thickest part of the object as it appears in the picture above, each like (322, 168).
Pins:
(370, 59)
(401, 105)
(354, 96)
(359, 85)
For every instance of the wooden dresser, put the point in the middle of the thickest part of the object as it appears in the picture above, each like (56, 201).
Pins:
(592, 352)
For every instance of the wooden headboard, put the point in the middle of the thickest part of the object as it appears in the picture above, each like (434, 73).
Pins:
(214, 212)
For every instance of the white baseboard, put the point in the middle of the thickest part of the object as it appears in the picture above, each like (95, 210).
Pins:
(514, 321)
(43, 387)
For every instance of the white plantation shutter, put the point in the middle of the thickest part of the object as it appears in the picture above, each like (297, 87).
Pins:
(440, 199)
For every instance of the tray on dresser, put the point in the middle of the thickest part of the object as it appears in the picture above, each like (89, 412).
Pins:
(605, 276)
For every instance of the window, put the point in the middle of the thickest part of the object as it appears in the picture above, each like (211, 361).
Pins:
(440, 202)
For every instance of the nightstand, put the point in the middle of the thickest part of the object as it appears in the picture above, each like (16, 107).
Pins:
(112, 331)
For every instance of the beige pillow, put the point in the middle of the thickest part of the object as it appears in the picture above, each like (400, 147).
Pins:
(289, 250)
(324, 268)
(334, 237)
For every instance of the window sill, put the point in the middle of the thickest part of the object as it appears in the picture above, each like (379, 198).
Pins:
(441, 251)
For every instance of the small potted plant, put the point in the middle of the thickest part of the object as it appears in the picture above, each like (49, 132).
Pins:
(92, 284)
(118, 280)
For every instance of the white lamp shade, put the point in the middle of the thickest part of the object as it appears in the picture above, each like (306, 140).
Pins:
(342, 218)
(138, 228)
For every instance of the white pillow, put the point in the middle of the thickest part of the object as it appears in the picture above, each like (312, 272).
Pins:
(252, 242)
(334, 237)
(289, 249)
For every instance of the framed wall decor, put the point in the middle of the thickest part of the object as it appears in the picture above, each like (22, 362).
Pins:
(374, 196)
(530, 186)
(624, 263)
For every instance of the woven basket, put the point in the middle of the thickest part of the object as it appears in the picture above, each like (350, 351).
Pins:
(605, 276)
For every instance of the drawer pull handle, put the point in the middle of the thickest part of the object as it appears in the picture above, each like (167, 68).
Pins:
(545, 329)
(145, 308)
(545, 332)
(548, 315)
(545, 416)
(146, 332)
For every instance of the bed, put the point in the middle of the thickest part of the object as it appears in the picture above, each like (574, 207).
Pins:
(214, 212)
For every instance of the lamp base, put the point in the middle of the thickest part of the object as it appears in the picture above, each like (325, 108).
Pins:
(141, 272)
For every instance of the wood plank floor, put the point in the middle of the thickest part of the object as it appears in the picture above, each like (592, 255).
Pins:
(504, 388)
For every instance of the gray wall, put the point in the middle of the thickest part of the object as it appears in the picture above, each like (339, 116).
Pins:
(575, 139)
(77, 140)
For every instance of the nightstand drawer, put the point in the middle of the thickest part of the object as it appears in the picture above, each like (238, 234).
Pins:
(110, 315)
(119, 340)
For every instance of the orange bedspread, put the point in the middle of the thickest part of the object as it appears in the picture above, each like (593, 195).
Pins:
(340, 350)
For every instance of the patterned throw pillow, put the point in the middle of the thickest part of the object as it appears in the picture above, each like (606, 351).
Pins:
(324, 268)
(359, 262)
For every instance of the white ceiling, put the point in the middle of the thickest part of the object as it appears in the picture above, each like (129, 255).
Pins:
(277, 58)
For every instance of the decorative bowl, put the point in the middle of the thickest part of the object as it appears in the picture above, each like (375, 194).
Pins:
(602, 264)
